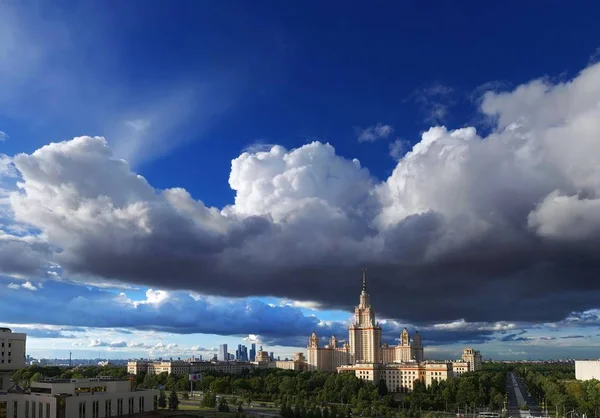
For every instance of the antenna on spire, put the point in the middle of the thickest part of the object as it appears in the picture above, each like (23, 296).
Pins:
(364, 279)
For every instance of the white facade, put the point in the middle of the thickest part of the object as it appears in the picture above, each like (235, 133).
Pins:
(12, 355)
(587, 369)
(473, 357)
(78, 398)
(180, 367)
(400, 377)
(223, 354)
(364, 343)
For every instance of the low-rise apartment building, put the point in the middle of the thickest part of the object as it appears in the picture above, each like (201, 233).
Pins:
(182, 367)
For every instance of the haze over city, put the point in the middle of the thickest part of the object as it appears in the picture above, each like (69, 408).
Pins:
(225, 179)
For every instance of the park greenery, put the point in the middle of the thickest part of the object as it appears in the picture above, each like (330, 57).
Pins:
(318, 394)
(554, 387)
(311, 394)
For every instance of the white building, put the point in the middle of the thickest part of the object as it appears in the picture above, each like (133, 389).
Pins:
(364, 342)
(223, 354)
(78, 398)
(12, 355)
(180, 367)
(587, 369)
(473, 357)
(400, 377)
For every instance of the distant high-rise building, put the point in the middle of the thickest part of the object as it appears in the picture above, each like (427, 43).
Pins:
(223, 355)
(271, 356)
(253, 352)
(244, 353)
(238, 352)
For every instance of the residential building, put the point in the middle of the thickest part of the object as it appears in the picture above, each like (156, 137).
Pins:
(223, 355)
(473, 357)
(12, 355)
(365, 355)
(365, 332)
(262, 357)
(78, 398)
(180, 367)
(327, 358)
(364, 342)
(298, 363)
(231, 367)
(459, 367)
(587, 369)
(400, 377)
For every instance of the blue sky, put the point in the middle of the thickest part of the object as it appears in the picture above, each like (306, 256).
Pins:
(235, 166)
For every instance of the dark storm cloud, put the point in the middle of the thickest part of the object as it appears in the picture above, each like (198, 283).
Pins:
(516, 337)
(501, 228)
(44, 333)
(22, 257)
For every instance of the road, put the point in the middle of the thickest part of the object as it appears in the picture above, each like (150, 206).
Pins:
(517, 396)
(254, 410)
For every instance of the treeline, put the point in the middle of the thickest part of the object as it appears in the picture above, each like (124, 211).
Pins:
(319, 394)
(555, 386)
(24, 377)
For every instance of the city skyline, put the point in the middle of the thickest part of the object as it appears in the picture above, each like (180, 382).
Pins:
(225, 179)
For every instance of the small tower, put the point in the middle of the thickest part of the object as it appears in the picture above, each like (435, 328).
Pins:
(417, 339)
(404, 338)
(313, 341)
(333, 343)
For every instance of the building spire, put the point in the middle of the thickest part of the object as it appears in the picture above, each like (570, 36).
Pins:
(364, 279)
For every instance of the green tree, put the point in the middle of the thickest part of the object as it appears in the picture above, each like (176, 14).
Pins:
(162, 399)
(209, 400)
(173, 401)
(221, 385)
(36, 377)
(382, 389)
(223, 405)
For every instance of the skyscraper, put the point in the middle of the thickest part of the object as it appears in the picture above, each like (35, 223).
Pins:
(223, 355)
(238, 352)
(253, 352)
(365, 333)
(244, 353)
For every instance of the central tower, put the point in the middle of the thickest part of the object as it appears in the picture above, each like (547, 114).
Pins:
(365, 333)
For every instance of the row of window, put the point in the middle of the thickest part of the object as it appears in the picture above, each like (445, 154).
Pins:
(108, 407)
(36, 411)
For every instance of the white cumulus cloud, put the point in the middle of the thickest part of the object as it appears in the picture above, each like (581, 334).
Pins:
(519, 202)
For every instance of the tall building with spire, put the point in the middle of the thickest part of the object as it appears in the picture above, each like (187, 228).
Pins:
(364, 345)
(365, 333)
(364, 355)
